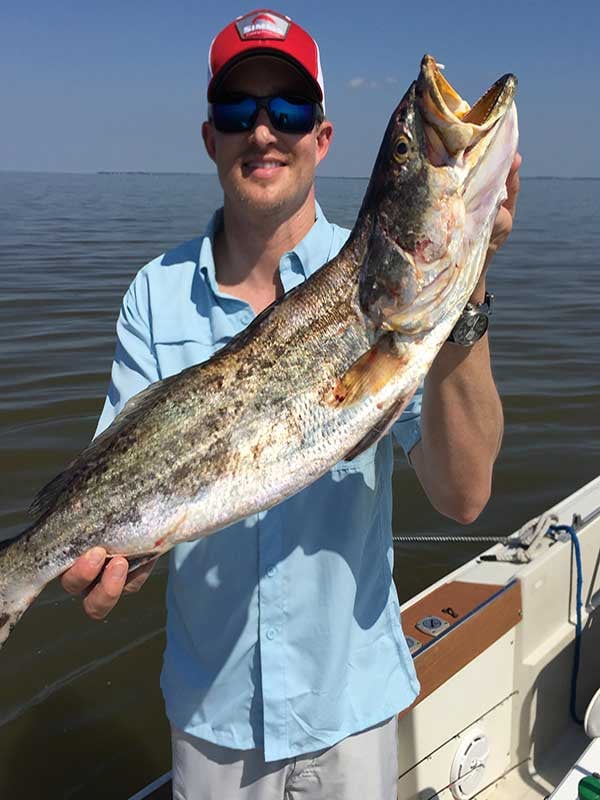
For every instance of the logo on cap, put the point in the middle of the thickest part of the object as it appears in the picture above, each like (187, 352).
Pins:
(262, 26)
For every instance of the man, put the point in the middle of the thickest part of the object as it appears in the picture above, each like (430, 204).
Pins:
(285, 663)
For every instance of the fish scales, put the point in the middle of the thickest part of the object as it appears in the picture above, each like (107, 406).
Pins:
(319, 375)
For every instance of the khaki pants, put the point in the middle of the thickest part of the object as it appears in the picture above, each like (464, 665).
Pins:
(361, 767)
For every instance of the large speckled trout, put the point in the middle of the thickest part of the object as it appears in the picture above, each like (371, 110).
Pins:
(319, 376)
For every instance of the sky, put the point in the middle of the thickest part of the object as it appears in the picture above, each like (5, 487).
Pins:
(119, 86)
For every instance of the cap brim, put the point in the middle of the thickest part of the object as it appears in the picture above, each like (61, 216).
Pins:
(313, 90)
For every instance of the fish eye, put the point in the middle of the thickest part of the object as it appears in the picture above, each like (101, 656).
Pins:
(401, 149)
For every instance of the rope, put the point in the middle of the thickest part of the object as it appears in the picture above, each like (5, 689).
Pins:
(578, 605)
(516, 545)
(442, 539)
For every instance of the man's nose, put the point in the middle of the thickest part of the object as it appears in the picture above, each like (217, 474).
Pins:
(263, 132)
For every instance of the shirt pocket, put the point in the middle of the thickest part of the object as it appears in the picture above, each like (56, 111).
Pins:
(180, 343)
(363, 463)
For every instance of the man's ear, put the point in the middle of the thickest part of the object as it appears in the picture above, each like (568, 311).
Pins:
(208, 137)
(324, 137)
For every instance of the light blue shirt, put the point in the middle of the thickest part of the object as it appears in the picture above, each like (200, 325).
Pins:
(283, 630)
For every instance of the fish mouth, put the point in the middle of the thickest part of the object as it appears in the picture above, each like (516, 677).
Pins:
(427, 245)
(452, 127)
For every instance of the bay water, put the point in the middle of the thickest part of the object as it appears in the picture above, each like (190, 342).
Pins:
(81, 714)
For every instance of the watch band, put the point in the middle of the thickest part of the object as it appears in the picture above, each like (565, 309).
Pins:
(473, 323)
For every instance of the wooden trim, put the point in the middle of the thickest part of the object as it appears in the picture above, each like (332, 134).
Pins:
(484, 613)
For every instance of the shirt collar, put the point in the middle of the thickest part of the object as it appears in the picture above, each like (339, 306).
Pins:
(310, 253)
(206, 259)
(314, 250)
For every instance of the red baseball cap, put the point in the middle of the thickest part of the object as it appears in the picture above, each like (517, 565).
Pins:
(264, 32)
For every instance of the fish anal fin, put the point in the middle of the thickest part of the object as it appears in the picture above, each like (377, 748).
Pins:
(382, 427)
(138, 561)
(370, 373)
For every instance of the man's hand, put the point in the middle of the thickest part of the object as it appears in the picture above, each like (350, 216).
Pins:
(101, 594)
(502, 225)
(506, 214)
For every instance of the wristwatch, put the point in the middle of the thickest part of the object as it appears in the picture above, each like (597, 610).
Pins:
(472, 323)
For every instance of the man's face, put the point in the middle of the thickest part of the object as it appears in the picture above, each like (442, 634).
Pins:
(263, 169)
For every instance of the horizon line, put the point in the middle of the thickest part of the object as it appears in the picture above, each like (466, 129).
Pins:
(214, 175)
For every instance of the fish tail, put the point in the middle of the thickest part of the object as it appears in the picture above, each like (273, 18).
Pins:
(13, 602)
(10, 614)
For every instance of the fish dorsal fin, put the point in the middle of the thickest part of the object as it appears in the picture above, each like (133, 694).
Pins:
(134, 409)
(132, 412)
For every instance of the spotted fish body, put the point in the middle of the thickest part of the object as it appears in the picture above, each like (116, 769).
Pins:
(317, 377)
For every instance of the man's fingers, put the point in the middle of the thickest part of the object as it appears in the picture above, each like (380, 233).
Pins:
(139, 576)
(514, 167)
(513, 185)
(506, 213)
(104, 596)
(102, 587)
(84, 571)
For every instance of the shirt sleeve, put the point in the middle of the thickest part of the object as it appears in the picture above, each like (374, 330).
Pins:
(134, 366)
(407, 430)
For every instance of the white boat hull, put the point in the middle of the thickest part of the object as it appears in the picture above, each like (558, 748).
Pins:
(517, 690)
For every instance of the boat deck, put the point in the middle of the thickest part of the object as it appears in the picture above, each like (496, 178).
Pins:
(529, 783)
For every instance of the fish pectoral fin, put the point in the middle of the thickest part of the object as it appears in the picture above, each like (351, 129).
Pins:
(370, 373)
(382, 427)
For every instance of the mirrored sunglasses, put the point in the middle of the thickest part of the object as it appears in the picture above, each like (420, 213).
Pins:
(238, 114)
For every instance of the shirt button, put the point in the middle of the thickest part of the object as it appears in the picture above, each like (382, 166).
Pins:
(271, 633)
(271, 572)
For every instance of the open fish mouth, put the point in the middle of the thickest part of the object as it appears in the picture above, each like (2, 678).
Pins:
(451, 162)
(451, 125)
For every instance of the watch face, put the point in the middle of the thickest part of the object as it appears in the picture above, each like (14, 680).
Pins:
(470, 329)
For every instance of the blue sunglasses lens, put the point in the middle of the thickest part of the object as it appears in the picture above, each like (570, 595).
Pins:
(288, 115)
(295, 116)
(235, 116)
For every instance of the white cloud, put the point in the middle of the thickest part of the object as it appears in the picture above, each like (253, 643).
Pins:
(362, 83)
(391, 81)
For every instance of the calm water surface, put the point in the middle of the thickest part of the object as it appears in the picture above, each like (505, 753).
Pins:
(81, 715)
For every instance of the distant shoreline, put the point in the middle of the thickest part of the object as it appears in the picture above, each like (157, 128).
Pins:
(213, 175)
(330, 177)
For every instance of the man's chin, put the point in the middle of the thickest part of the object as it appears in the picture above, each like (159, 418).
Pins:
(270, 199)
(264, 199)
